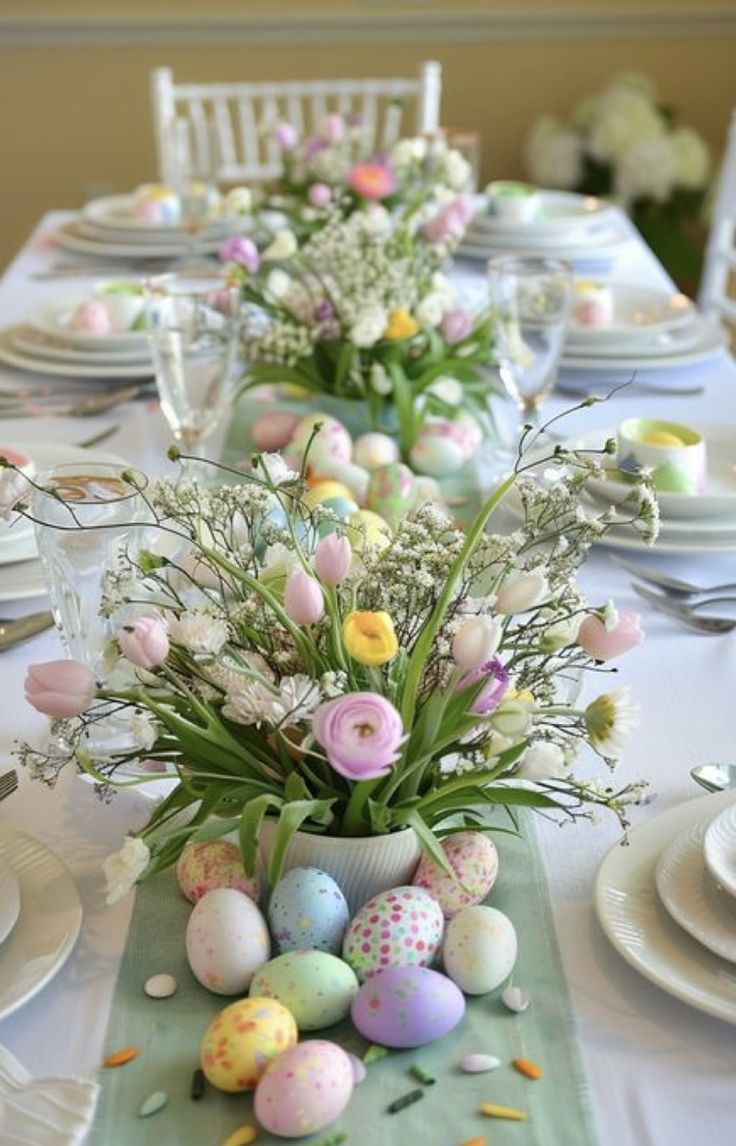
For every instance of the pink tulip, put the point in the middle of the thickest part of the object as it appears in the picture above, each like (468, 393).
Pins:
(604, 644)
(303, 600)
(450, 222)
(145, 643)
(372, 181)
(285, 136)
(60, 688)
(319, 195)
(333, 558)
(332, 128)
(456, 325)
(239, 249)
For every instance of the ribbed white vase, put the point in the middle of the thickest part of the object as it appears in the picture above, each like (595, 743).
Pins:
(361, 866)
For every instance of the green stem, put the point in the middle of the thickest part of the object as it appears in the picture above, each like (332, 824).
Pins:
(353, 823)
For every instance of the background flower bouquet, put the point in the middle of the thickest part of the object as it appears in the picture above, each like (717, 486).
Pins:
(361, 312)
(622, 142)
(277, 664)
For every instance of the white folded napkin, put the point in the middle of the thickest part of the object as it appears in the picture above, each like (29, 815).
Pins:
(43, 1111)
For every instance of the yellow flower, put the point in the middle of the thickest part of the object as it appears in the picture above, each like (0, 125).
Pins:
(519, 694)
(370, 638)
(400, 326)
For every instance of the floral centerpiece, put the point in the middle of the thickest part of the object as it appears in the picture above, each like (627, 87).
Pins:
(361, 312)
(278, 665)
(622, 142)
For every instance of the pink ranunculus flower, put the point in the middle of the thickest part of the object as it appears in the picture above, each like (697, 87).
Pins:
(361, 734)
(145, 643)
(303, 599)
(333, 558)
(319, 195)
(374, 181)
(285, 135)
(241, 250)
(61, 688)
(456, 325)
(493, 691)
(475, 642)
(604, 644)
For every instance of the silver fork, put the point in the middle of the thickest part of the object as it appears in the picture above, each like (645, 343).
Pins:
(672, 586)
(8, 783)
(710, 626)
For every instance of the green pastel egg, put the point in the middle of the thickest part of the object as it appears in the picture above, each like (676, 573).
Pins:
(316, 987)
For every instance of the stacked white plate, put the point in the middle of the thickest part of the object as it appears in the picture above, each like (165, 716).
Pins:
(108, 228)
(565, 225)
(649, 328)
(668, 902)
(48, 344)
(40, 917)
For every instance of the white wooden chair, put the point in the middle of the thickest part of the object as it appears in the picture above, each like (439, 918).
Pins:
(230, 121)
(717, 293)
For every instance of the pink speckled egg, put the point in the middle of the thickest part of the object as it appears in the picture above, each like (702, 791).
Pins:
(304, 1089)
(274, 430)
(394, 929)
(202, 867)
(407, 1007)
(92, 317)
(227, 941)
(473, 858)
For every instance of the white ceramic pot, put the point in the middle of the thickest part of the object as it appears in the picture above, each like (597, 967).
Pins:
(361, 866)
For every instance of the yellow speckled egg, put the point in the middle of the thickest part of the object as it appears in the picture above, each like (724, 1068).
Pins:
(242, 1039)
(661, 438)
(325, 491)
(368, 530)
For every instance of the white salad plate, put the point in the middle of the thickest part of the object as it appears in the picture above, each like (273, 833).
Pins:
(72, 237)
(34, 342)
(719, 849)
(691, 896)
(601, 245)
(636, 923)
(115, 213)
(9, 899)
(48, 924)
(20, 547)
(638, 312)
(12, 355)
(55, 319)
(557, 214)
(678, 348)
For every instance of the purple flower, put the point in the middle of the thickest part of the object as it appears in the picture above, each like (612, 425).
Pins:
(314, 146)
(285, 135)
(456, 325)
(361, 733)
(493, 691)
(241, 250)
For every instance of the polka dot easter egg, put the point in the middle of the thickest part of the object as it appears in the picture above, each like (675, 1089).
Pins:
(473, 858)
(308, 911)
(304, 1089)
(242, 1039)
(407, 1007)
(315, 986)
(201, 867)
(394, 929)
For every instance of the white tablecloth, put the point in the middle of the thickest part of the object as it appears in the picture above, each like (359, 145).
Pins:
(659, 1071)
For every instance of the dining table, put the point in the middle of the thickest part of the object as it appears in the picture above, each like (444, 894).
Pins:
(659, 1066)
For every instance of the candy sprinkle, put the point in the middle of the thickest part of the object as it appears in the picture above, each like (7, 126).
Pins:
(525, 1066)
(241, 1137)
(119, 1058)
(334, 1139)
(373, 1054)
(405, 1100)
(421, 1075)
(197, 1085)
(155, 1102)
(491, 1110)
(474, 1142)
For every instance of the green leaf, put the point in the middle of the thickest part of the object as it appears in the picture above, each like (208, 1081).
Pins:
(379, 816)
(290, 820)
(295, 788)
(250, 827)
(213, 829)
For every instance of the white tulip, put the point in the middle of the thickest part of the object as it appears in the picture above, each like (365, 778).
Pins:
(123, 868)
(542, 761)
(523, 592)
(284, 245)
(475, 642)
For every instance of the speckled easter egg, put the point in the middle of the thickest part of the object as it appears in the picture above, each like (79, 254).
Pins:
(331, 442)
(316, 987)
(203, 866)
(156, 203)
(368, 530)
(242, 1039)
(436, 453)
(304, 1089)
(473, 858)
(274, 430)
(354, 477)
(480, 948)
(308, 911)
(91, 317)
(326, 490)
(391, 491)
(227, 941)
(374, 450)
(407, 1007)
(394, 929)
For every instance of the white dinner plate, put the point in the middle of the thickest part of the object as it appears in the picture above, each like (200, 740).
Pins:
(54, 318)
(35, 343)
(9, 899)
(600, 245)
(720, 493)
(115, 213)
(691, 896)
(48, 924)
(70, 236)
(22, 547)
(640, 929)
(23, 360)
(711, 338)
(558, 214)
(719, 849)
(639, 312)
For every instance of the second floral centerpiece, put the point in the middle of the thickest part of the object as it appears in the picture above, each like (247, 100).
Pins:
(282, 666)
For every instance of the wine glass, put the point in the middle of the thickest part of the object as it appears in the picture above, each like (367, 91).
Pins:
(193, 163)
(530, 300)
(193, 324)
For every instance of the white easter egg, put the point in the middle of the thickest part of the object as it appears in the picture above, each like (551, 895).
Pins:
(226, 941)
(479, 949)
(375, 449)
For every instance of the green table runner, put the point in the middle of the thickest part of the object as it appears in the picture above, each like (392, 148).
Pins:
(169, 1031)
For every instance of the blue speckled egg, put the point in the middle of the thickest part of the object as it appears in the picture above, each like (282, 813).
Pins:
(308, 911)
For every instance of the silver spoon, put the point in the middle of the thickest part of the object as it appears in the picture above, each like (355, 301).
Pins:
(12, 632)
(672, 586)
(714, 777)
(712, 626)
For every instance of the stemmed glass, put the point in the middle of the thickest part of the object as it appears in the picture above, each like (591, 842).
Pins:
(192, 175)
(531, 298)
(193, 324)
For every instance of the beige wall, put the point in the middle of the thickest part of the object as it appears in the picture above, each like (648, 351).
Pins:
(76, 114)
